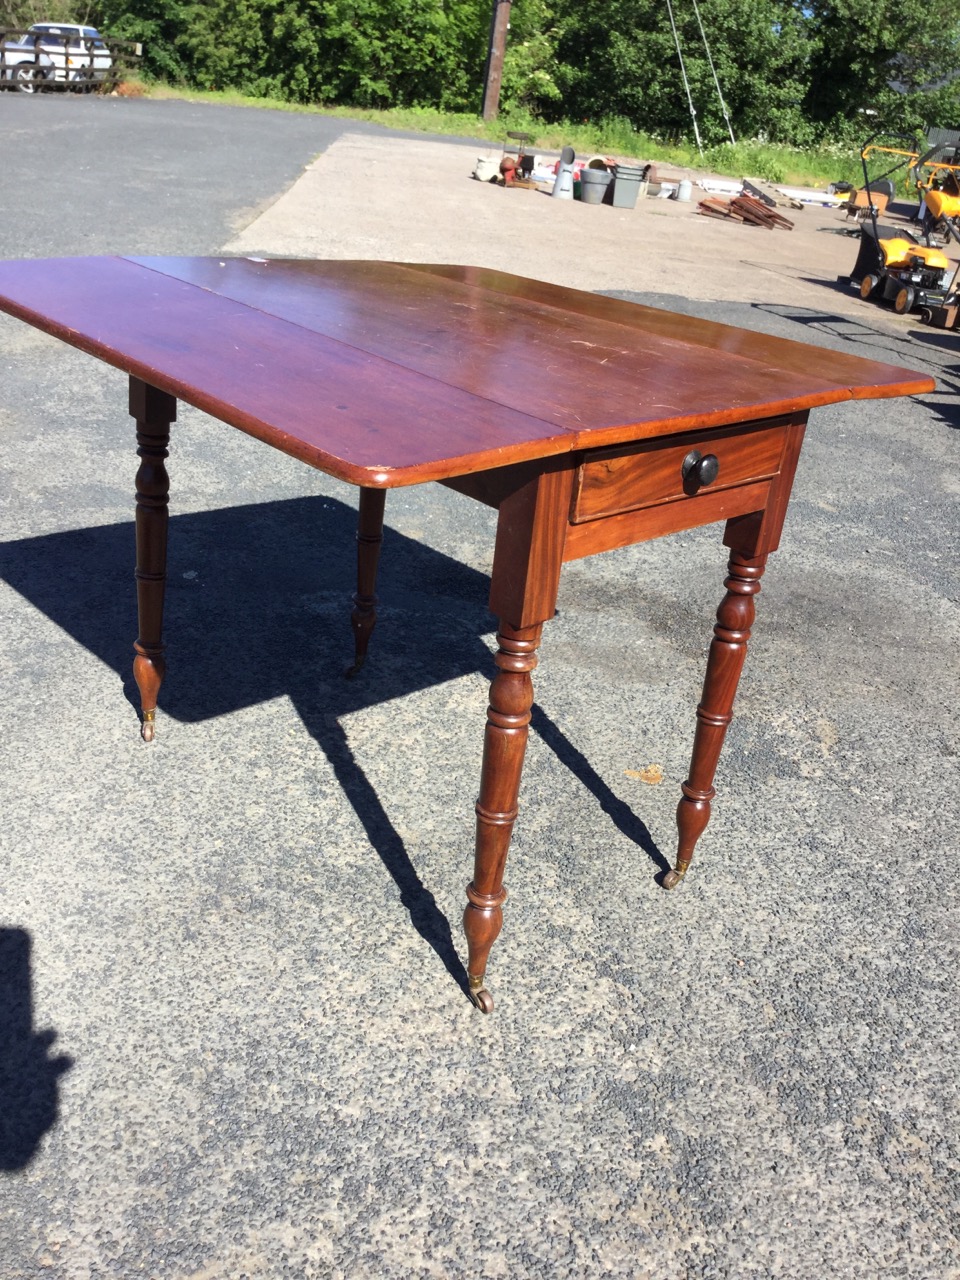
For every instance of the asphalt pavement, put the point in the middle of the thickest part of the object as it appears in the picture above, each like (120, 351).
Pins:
(234, 1039)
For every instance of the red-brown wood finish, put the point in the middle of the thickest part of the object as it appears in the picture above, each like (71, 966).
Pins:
(752, 537)
(573, 414)
(153, 412)
(369, 541)
(504, 745)
(386, 374)
(728, 649)
(523, 592)
(613, 481)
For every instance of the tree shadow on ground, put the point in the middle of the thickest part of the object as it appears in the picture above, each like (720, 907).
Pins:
(28, 1075)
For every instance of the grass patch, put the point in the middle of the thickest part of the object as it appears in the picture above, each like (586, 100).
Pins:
(774, 162)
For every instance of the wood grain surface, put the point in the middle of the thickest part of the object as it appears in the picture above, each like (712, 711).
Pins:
(386, 374)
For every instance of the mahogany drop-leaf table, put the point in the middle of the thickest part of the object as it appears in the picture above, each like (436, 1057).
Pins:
(588, 423)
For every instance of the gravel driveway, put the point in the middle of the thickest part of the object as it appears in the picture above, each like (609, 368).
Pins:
(233, 1036)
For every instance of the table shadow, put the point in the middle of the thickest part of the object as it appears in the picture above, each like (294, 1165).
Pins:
(622, 816)
(29, 1096)
(257, 607)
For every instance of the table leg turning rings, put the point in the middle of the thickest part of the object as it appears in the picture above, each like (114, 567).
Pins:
(532, 511)
(153, 412)
(385, 375)
(504, 746)
(728, 649)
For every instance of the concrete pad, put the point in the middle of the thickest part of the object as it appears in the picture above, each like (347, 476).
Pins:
(380, 197)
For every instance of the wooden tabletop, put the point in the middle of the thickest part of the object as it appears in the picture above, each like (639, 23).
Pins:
(386, 374)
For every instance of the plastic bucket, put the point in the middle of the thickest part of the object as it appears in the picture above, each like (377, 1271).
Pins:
(593, 185)
(626, 186)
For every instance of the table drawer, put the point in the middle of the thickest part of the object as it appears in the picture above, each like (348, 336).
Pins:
(611, 481)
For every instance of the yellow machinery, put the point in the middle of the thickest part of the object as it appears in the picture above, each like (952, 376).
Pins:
(892, 264)
(940, 193)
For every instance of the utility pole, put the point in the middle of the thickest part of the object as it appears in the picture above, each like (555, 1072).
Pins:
(494, 72)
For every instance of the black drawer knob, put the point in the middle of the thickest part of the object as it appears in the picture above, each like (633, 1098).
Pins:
(699, 469)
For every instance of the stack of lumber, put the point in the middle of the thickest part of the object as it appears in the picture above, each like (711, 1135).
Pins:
(745, 209)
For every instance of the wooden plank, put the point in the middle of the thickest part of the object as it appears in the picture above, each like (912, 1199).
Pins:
(862, 379)
(389, 374)
(569, 370)
(349, 412)
(668, 517)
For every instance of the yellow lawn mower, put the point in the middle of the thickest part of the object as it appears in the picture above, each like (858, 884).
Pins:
(892, 264)
(940, 193)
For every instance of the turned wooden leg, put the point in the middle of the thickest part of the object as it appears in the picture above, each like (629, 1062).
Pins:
(727, 652)
(369, 541)
(154, 411)
(505, 741)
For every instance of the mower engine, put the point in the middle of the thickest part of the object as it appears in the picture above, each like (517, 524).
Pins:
(931, 271)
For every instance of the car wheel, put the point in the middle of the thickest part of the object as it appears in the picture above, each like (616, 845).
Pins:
(79, 82)
(27, 80)
(869, 286)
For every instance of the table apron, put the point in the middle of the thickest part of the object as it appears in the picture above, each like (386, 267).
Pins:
(646, 523)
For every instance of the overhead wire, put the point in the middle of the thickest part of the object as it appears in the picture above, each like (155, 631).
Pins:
(686, 82)
(716, 80)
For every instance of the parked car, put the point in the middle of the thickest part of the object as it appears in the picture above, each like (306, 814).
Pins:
(24, 67)
(79, 54)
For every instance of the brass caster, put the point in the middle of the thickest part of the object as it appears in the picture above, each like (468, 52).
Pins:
(147, 727)
(480, 996)
(673, 878)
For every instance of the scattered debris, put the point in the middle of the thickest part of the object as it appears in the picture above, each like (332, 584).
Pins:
(768, 194)
(652, 774)
(745, 209)
(720, 186)
(486, 170)
(763, 196)
(804, 196)
(860, 205)
(944, 317)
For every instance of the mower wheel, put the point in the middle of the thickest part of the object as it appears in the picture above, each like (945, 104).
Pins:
(869, 286)
(904, 300)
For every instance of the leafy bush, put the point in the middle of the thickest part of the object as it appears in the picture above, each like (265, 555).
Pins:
(798, 74)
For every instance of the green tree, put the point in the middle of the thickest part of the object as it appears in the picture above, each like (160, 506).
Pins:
(366, 52)
(157, 24)
(878, 54)
(789, 70)
(529, 62)
(20, 14)
(620, 59)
